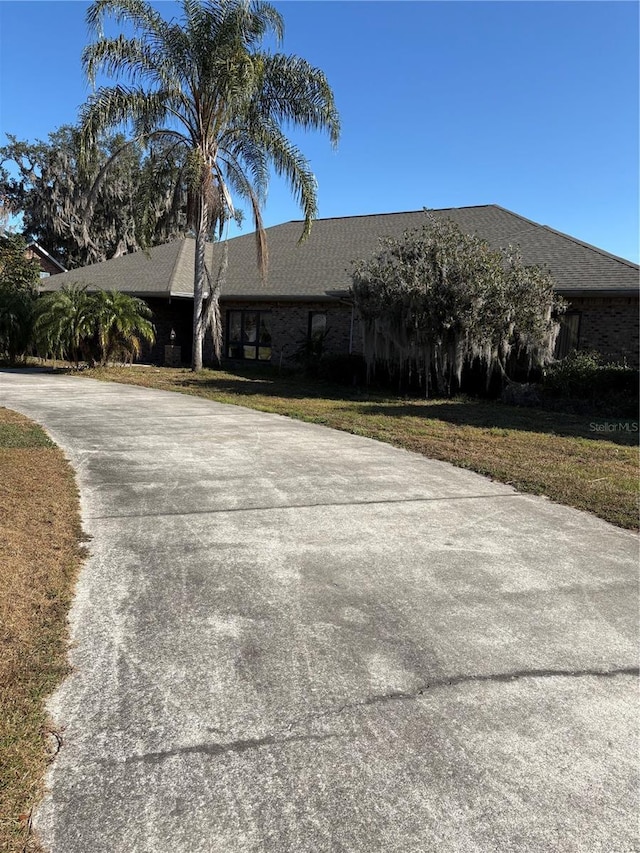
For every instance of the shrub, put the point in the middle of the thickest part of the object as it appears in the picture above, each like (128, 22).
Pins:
(73, 324)
(585, 377)
(439, 300)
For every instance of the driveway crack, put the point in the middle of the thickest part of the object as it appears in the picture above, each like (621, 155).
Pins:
(454, 681)
(284, 736)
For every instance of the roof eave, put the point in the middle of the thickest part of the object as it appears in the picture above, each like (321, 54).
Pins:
(604, 291)
(279, 297)
(44, 252)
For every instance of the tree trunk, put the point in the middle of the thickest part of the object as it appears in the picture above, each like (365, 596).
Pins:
(211, 305)
(198, 286)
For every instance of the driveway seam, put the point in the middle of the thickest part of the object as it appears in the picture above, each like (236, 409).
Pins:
(306, 506)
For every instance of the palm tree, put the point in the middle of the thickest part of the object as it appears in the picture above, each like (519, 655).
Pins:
(122, 322)
(206, 86)
(64, 324)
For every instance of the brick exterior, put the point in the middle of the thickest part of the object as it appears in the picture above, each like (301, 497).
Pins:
(46, 264)
(609, 325)
(289, 326)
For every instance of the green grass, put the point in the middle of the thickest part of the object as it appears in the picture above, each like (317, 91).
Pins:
(23, 435)
(547, 453)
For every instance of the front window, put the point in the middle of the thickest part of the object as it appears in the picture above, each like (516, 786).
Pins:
(249, 335)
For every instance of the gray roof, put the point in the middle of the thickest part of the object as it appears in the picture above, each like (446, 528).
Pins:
(165, 270)
(321, 265)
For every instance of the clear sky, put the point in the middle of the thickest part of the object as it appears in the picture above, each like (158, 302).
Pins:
(530, 105)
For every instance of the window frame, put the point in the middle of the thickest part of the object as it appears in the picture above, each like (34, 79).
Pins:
(243, 344)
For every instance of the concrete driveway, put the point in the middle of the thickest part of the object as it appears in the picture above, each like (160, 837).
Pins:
(292, 639)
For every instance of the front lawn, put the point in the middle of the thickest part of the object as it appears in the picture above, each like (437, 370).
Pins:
(579, 460)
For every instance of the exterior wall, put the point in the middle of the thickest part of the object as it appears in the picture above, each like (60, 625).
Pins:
(176, 314)
(46, 265)
(289, 327)
(609, 325)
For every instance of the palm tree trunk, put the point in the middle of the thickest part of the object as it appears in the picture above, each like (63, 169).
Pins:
(198, 286)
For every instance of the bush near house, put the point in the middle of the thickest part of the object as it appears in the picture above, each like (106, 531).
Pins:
(585, 379)
(71, 324)
(440, 300)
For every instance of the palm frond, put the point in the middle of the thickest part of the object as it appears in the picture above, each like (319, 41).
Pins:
(295, 92)
(289, 162)
(138, 13)
(134, 56)
(242, 185)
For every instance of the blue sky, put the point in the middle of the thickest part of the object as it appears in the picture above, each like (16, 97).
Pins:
(530, 105)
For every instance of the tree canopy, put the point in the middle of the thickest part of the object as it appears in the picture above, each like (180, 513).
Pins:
(79, 218)
(205, 87)
(439, 299)
(17, 271)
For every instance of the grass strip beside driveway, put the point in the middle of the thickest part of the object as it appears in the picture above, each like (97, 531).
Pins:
(566, 457)
(40, 554)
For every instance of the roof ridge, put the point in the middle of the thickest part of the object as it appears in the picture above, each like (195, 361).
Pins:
(178, 261)
(389, 213)
(572, 239)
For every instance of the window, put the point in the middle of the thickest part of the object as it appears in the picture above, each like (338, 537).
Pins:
(249, 335)
(569, 334)
(317, 325)
(44, 274)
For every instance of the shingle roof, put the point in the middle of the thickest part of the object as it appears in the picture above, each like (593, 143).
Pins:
(321, 265)
(161, 271)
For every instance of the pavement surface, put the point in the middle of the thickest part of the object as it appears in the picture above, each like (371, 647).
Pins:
(294, 640)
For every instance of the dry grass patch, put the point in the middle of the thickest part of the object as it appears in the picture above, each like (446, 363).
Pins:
(546, 453)
(39, 558)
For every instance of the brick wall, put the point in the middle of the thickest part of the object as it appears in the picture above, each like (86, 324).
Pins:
(46, 264)
(289, 327)
(609, 325)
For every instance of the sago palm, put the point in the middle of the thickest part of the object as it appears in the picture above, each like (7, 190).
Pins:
(122, 323)
(65, 321)
(206, 85)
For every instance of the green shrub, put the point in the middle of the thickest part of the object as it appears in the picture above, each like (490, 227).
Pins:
(585, 377)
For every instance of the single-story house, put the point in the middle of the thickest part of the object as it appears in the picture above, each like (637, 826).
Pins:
(307, 287)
